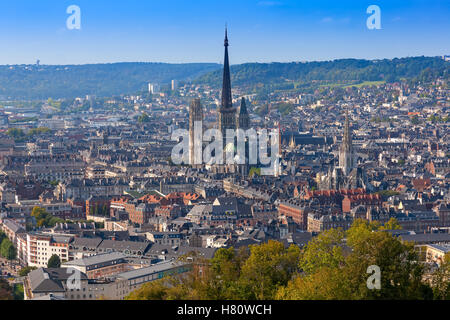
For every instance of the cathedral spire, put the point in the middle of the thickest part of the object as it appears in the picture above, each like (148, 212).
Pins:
(227, 101)
(243, 119)
(226, 36)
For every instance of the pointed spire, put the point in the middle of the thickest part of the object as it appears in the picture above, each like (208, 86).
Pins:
(226, 35)
(227, 101)
(243, 109)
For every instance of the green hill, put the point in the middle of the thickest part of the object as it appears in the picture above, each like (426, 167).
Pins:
(30, 82)
(41, 82)
(347, 70)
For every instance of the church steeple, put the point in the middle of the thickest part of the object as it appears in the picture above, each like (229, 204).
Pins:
(227, 101)
(243, 119)
(227, 114)
(226, 36)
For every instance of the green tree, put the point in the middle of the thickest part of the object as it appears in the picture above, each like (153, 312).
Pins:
(222, 276)
(6, 292)
(440, 280)
(155, 290)
(392, 224)
(401, 272)
(54, 262)
(326, 283)
(7, 249)
(144, 118)
(25, 271)
(326, 250)
(268, 267)
(331, 275)
(44, 219)
(17, 134)
(360, 231)
(18, 293)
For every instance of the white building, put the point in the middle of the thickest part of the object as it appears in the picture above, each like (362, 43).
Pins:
(41, 247)
(174, 85)
(154, 88)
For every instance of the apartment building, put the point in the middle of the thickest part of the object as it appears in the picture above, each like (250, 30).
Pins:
(318, 223)
(40, 248)
(12, 229)
(101, 265)
(54, 168)
(58, 209)
(57, 283)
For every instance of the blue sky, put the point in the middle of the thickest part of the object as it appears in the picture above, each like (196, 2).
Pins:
(192, 30)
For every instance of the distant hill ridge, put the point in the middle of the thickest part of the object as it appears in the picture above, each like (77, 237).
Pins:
(388, 70)
(69, 81)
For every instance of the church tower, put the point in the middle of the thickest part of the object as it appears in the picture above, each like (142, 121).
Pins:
(243, 119)
(195, 115)
(227, 114)
(346, 151)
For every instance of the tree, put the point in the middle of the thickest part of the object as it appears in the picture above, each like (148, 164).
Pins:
(156, 290)
(144, 118)
(360, 231)
(39, 213)
(392, 224)
(330, 274)
(440, 280)
(326, 283)
(401, 272)
(7, 249)
(54, 262)
(332, 266)
(25, 271)
(18, 292)
(326, 250)
(17, 134)
(44, 219)
(6, 292)
(268, 267)
(222, 276)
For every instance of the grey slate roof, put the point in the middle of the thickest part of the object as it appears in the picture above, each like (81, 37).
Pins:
(45, 280)
(91, 243)
(133, 274)
(427, 238)
(97, 259)
(174, 252)
(13, 226)
(122, 246)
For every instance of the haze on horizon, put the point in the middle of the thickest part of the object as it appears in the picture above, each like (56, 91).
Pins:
(180, 31)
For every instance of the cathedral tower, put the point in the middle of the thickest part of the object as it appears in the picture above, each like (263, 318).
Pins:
(346, 151)
(195, 115)
(227, 114)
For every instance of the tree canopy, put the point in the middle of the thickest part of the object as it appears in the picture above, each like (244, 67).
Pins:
(54, 262)
(44, 219)
(333, 266)
(7, 249)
